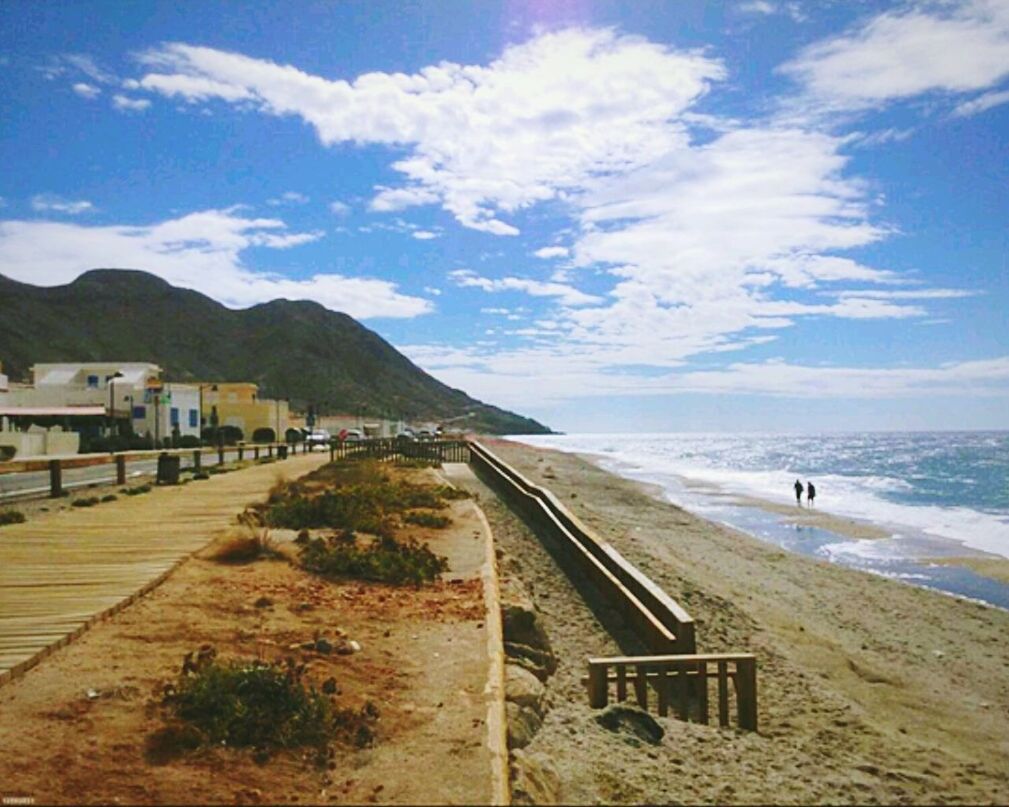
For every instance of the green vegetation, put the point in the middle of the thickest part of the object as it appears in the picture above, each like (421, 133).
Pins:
(110, 497)
(211, 341)
(423, 518)
(197, 475)
(89, 501)
(379, 560)
(255, 704)
(137, 491)
(11, 517)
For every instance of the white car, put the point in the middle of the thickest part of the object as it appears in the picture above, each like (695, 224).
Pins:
(318, 437)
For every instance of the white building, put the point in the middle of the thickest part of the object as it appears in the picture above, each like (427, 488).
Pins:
(91, 392)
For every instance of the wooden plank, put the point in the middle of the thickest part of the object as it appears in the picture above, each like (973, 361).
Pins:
(598, 687)
(641, 688)
(723, 693)
(662, 685)
(702, 691)
(682, 692)
(621, 683)
(651, 661)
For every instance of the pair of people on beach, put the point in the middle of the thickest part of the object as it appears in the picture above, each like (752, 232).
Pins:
(810, 492)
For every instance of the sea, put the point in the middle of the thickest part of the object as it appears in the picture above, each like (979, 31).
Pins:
(936, 494)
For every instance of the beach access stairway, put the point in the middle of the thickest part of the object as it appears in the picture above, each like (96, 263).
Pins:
(678, 675)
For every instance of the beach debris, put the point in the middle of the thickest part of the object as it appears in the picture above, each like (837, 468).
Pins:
(635, 724)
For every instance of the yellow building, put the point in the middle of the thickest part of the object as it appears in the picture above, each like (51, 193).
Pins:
(238, 404)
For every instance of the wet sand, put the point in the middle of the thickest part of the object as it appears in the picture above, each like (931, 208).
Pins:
(871, 691)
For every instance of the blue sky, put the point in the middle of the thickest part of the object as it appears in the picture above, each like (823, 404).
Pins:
(619, 217)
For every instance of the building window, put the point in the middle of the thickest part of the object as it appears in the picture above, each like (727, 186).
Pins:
(92, 382)
(175, 416)
(140, 413)
(194, 418)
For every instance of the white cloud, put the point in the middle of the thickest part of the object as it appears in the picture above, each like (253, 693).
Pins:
(982, 103)
(484, 141)
(51, 203)
(758, 7)
(567, 295)
(289, 198)
(436, 292)
(201, 251)
(552, 252)
(507, 377)
(84, 90)
(951, 47)
(704, 246)
(338, 208)
(126, 104)
(87, 65)
(424, 235)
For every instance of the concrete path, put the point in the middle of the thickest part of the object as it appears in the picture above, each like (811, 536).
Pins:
(61, 572)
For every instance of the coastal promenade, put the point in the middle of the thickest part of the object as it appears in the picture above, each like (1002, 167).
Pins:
(62, 571)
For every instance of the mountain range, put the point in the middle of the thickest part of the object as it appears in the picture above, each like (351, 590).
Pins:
(291, 349)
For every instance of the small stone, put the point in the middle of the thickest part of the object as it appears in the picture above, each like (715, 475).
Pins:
(263, 602)
(636, 723)
(329, 686)
(324, 646)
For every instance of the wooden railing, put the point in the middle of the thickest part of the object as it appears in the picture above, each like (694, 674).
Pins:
(681, 683)
(56, 466)
(656, 618)
(435, 451)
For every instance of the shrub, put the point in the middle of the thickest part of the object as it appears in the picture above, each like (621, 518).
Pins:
(293, 436)
(90, 501)
(200, 475)
(111, 497)
(426, 519)
(137, 491)
(254, 704)
(189, 441)
(7, 453)
(382, 560)
(264, 435)
(11, 517)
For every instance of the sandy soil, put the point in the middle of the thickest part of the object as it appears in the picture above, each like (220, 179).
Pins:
(423, 662)
(871, 691)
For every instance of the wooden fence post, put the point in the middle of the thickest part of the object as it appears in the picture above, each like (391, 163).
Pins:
(55, 479)
(255, 452)
(746, 693)
(269, 450)
(241, 452)
(197, 459)
(598, 686)
(120, 469)
(220, 455)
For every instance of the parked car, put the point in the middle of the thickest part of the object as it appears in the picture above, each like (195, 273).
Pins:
(318, 437)
(351, 435)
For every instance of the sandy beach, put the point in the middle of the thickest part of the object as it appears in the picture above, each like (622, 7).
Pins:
(870, 690)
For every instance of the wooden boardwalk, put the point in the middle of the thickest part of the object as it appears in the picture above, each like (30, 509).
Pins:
(62, 571)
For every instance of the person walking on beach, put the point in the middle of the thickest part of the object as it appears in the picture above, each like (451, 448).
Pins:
(798, 492)
(810, 493)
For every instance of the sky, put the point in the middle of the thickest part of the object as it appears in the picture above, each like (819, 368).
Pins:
(617, 217)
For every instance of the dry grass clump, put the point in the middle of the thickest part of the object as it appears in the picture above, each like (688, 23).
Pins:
(245, 547)
(424, 518)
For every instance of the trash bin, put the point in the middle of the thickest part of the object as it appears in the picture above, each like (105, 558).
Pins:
(168, 469)
(281, 452)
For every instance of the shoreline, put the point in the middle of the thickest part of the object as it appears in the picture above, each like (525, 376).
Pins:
(872, 691)
(939, 564)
